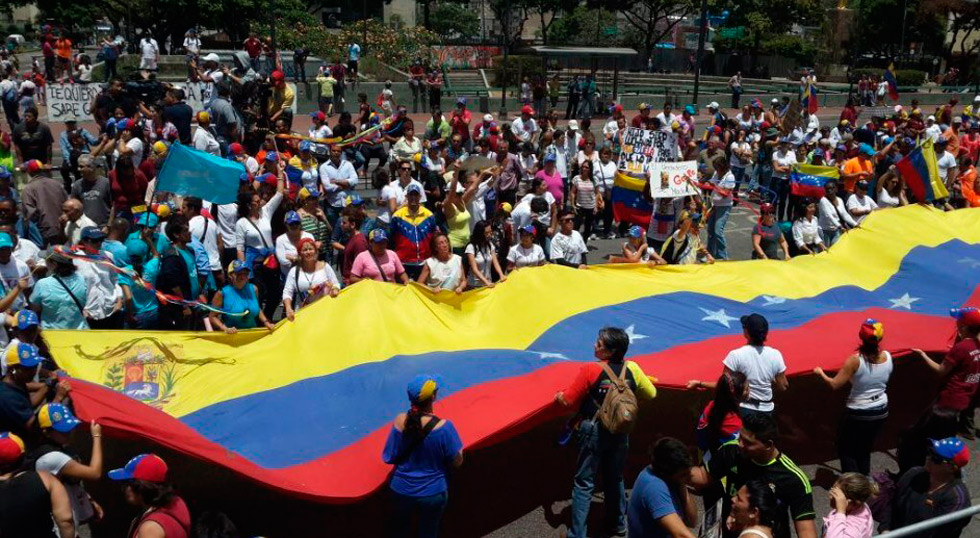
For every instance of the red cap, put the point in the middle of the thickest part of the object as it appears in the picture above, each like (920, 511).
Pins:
(269, 179)
(277, 76)
(766, 125)
(716, 129)
(526, 109)
(969, 317)
(147, 467)
(11, 447)
(618, 108)
(33, 166)
(236, 149)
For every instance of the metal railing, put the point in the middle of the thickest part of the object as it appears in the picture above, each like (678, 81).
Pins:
(934, 522)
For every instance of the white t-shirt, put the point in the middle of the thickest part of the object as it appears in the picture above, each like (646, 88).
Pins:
(478, 205)
(605, 175)
(523, 257)
(735, 161)
(760, 365)
(445, 275)
(725, 182)
(945, 162)
(301, 284)
(136, 145)
(206, 231)
(783, 159)
(246, 234)
(226, 218)
(484, 260)
(26, 251)
(860, 202)
(192, 45)
(10, 273)
(568, 247)
(285, 247)
(204, 141)
(149, 48)
(666, 121)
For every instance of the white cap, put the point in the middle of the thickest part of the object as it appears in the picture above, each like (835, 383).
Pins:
(714, 105)
(573, 125)
(976, 99)
(957, 119)
(488, 118)
(27, 85)
(211, 58)
(774, 101)
(931, 118)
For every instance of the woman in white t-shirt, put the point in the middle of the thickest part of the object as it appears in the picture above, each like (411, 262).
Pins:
(308, 280)
(891, 190)
(130, 142)
(806, 230)
(443, 270)
(605, 177)
(481, 257)
(254, 244)
(527, 253)
(868, 371)
(287, 244)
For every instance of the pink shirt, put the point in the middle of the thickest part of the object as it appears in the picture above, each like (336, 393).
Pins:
(554, 183)
(364, 266)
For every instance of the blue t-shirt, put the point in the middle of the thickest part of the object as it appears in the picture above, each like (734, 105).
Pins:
(240, 300)
(354, 52)
(651, 500)
(118, 251)
(424, 473)
(144, 300)
(58, 309)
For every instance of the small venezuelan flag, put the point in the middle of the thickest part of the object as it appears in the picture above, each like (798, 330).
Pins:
(628, 202)
(921, 174)
(892, 82)
(810, 98)
(807, 180)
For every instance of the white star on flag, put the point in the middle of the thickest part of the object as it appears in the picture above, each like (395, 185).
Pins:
(772, 299)
(720, 316)
(549, 355)
(630, 331)
(973, 262)
(903, 302)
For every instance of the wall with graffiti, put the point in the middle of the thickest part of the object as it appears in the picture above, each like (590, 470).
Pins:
(465, 57)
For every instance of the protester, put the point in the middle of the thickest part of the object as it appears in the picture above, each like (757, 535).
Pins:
(162, 512)
(767, 236)
(721, 420)
(36, 497)
(599, 447)
(378, 263)
(59, 299)
(239, 302)
(754, 509)
(661, 503)
(443, 270)
(308, 280)
(850, 517)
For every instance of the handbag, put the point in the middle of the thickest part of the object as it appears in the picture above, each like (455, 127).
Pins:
(270, 262)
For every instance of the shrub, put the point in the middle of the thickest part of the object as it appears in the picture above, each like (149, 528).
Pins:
(905, 77)
(517, 66)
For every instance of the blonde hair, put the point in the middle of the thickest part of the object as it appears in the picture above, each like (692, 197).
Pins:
(857, 487)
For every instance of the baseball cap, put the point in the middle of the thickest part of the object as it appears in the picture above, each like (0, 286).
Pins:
(527, 229)
(23, 354)
(268, 178)
(755, 325)
(237, 266)
(244, 177)
(526, 109)
(573, 125)
(957, 119)
(644, 106)
(506, 207)
(11, 448)
(952, 450)
(318, 116)
(147, 219)
(931, 118)
(160, 148)
(307, 192)
(413, 188)
(277, 76)
(461, 101)
(871, 330)
(57, 417)
(163, 210)
(635, 231)
(92, 233)
(863, 185)
(212, 57)
(147, 467)
(6, 241)
(488, 118)
(305, 145)
(271, 157)
(423, 388)
(690, 109)
(353, 199)
(968, 317)
(235, 148)
(774, 101)
(378, 235)
(33, 166)
(550, 158)
(5, 172)
(293, 217)
(714, 105)
(26, 318)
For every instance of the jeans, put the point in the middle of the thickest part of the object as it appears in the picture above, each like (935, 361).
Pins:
(599, 451)
(584, 219)
(830, 237)
(739, 174)
(780, 187)
(429, 510)
(716, 232)
(354, 156)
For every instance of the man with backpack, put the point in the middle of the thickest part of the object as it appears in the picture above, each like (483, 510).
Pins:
(606, 394)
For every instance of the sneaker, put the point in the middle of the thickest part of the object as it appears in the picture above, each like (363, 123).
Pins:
(592, 237)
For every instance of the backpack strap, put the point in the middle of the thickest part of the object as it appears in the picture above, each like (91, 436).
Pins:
(406, 450)
(618, 380)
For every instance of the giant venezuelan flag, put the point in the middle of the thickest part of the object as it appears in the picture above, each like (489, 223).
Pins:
(306, 409)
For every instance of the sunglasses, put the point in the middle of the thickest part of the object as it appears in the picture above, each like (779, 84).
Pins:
(406, 169)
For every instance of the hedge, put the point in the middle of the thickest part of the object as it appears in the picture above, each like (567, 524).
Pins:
(905, 77)
(517, 66)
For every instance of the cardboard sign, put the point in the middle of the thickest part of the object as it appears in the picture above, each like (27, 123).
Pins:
(793, 117)
(673, 179)
(642, 147)
(70, 102)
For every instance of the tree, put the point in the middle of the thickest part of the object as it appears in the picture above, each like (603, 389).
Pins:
(881, 37)
(964, 20)
(548, 12)
(583, 26)
(652, 19)
(452, 20)
(766, 18)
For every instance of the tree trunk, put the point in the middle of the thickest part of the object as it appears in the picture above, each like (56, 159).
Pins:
(425, 13)
(544, 28)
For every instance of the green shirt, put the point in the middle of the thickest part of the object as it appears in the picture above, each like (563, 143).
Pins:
(326, 85)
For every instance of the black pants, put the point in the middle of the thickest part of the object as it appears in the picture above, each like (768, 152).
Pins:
(572, 107)
(607, 215)
(172, 318)
(583, 221)
(113, 322)
(11, 112)
(936, 423)
(269, 283)
(49, 68)
(435, 98)
(856, 435)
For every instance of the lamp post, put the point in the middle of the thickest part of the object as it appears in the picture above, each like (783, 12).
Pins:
(505, 14)
(702, 27)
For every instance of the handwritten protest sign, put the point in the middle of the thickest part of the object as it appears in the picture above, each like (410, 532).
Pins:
(642, 147)
(70, 102)
(673, 179)
(198, 95)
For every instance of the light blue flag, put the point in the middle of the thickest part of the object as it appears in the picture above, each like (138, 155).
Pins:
(189, 172)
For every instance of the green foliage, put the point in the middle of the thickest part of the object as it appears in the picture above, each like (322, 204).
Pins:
(581, 26)
(788, 46)
(905, 77)
(880, 35)
(765, 19)
(452, 20)
(517, 67)
(393, 46)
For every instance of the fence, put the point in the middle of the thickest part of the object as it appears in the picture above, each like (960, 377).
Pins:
(934, 522)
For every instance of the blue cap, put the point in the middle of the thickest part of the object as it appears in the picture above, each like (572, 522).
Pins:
(951, 449)
(6, 241)
(22, 354)
(147, 219)
(690, 109)
(527, 229)
(237, 266)
(354, 199)
(423, 388)
(5, 173)
(92, 233)
(271, 157)
(413, 187)
(26, 318)
(293, 217)
(305, 145)
(550, 158)
(635, 231)
(243, 177)
(57, 417)
(866, 149)
(136, 248)
(378, 235)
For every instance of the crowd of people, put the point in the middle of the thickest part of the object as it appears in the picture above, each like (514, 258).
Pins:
(455, 203)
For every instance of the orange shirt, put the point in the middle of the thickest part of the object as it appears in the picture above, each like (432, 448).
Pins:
(854, 166)
(952, 142)
(968, 186)
(62, 48)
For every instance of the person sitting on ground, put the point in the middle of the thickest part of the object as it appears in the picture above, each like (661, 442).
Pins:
(636, 250)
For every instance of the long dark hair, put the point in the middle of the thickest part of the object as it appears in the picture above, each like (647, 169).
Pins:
(478, 238)
(728, 394)
(153, 494)
(245, 204)
(763, 499)
(413, 419)
(869, 349)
